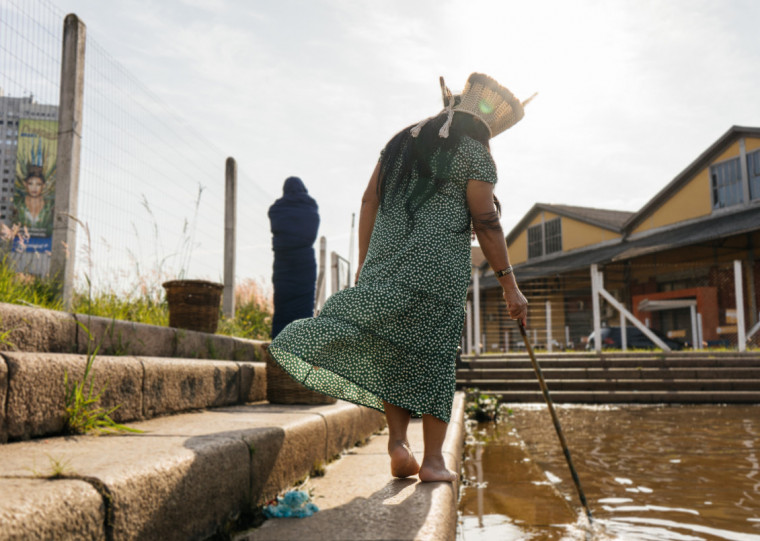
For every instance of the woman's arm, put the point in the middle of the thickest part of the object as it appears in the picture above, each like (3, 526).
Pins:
(485, 222)
(367, 215)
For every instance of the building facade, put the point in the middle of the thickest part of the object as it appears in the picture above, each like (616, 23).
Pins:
(676, 253)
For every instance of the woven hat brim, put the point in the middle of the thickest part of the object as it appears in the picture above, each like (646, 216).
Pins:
(492, 103)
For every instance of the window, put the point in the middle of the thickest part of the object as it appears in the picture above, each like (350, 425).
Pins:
(545, 238)
(726, 183)
(553, 231)
(753, 170)
(535, 241)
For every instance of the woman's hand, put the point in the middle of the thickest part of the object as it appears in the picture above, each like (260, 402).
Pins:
(517, 305)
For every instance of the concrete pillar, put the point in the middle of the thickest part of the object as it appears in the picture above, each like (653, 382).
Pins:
(741, 336)
(69, 148)
(623, 332)
(700, 331)
(595, 285)
(549, 340)
(469, 327)
(696, 343)
(476, 308)
(230, 224)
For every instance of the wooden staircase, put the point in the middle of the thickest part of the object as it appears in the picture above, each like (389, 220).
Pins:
(677, 377)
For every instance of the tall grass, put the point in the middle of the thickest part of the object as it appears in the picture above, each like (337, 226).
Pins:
(22, 288)
(145, 303)
(253, 312)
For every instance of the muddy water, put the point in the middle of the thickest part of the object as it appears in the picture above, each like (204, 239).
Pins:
(677, 473)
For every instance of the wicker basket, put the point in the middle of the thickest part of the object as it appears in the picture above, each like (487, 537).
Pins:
(283, 389)
(194, 304)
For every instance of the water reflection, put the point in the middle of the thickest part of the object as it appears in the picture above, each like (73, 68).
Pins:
(506, 497)
(649, 472)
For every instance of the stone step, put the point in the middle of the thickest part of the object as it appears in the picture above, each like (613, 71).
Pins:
(614, 373)
(678, 385)
(629, 397)
(32, 391)
(187, 476)
(39, 330)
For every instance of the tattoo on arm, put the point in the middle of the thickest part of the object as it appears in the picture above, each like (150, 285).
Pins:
(486, 221)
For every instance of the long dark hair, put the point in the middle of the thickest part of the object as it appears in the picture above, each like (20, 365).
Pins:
(417, 167)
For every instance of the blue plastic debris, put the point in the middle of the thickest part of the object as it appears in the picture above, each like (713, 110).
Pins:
(293, 504)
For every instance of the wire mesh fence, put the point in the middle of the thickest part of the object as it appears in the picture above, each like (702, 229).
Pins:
(660, 294)
(151, 187)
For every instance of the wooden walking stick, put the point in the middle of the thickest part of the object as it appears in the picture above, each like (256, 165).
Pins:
(555, 419)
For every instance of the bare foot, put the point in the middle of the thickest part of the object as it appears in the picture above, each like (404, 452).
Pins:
(403, 463)
(434, 469)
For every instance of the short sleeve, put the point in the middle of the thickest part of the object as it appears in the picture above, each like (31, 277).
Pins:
(480, 162)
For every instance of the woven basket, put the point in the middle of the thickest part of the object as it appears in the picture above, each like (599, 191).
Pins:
(194, 304)
(283, 389)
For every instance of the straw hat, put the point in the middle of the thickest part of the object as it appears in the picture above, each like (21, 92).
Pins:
(485, 99)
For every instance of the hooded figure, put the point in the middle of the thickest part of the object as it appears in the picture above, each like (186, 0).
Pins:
(294, 221)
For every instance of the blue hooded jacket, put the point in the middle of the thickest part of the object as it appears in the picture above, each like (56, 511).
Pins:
(294, 220)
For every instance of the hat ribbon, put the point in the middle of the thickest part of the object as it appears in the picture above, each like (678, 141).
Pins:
(448, 99)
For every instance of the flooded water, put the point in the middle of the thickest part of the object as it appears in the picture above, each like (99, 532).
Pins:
(659, 473)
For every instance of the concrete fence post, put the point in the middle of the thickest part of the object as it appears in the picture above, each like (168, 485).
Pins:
(319, 297)
(334, 271)
(70, 106)
(549, 338)
(230, 224)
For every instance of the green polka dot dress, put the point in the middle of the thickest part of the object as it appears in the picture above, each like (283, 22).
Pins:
(394, 336)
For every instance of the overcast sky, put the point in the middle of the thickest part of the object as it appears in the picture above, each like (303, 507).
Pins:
(630, 92)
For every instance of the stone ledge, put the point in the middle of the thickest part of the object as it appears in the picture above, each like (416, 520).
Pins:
(32, 393)
(185, 477)
(3, 398)
(37, 329)
(72, 509)
(41, 330)
(359, 500)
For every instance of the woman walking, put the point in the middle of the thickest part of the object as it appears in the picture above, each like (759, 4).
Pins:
(390, 342)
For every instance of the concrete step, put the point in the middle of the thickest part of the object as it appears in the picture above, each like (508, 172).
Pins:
(613, 373)
(32, 391)
(618, 385)
(487, 364)
(606, 355)
(187, 476)
(629, 397)
(358, 499)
